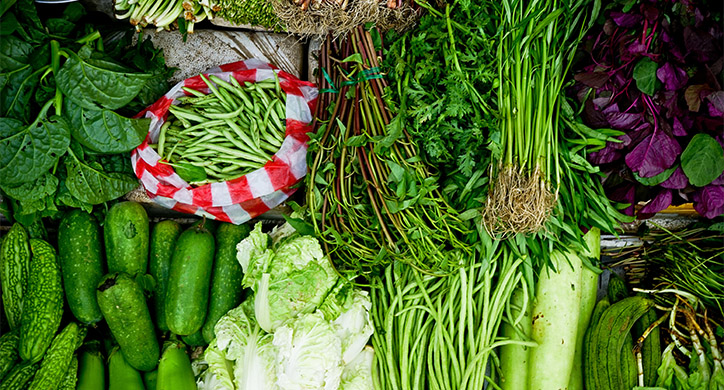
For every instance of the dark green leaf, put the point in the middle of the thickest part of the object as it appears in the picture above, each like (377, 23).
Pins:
(73, 12)
(14, 53)
(64, 197)
(356, 141)
(16, 93)
(90, 184)
(9, 23)
(703, 160)
(645, 75)
(42, 187)
(60, 27)
(27, 152)
(105, 131)
(5, 5)
(302, 227)
(189, 172)
(98, 83)
(658, 179)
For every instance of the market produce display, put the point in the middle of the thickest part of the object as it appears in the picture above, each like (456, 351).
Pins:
(457, 166)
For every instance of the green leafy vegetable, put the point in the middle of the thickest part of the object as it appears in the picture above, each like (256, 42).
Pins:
(95, 83)
(645, 75)
(91, 184)
(703, 160)
(26, 152)
(105, 131)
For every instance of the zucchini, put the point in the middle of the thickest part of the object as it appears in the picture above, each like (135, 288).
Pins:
(60, 354)
(125, 233)
(121, 375)
(226, 291)
(91, 369)
(19, 376)
(81, 262)
(188, 282)
(174, 369)
(124, 307)
(15, 263)
(70, 379)
(163, 241)
(43, 306)
(8, 352)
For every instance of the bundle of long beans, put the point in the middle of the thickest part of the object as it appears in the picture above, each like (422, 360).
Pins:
(372, 199)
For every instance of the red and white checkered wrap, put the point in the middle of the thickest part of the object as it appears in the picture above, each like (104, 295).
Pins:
(251, 195)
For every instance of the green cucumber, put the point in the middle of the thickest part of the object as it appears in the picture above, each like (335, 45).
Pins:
(43, 305)
(60, 354)
(651, 348)
(616, 288)
(81, 262)
(125, 233)
(163, 241)
(8, 352)
(189, 279)
(195, 340)
(149, 379)
(174, 369)
(19, 376)
(226, 291)
(121, 375)
(124, 307)
(91, 369)
(15, 264)
(209, 224)
(70, 379)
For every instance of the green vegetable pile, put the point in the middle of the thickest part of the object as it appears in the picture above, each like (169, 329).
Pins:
(65, 110)
(226, 134)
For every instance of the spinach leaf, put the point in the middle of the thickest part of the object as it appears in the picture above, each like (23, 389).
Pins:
(105, 131)
(14, 53)
(9, 24)
(16, 93)
(95, 83)
(89, 183)
(26, 152)
(703, 160)
(40, 188)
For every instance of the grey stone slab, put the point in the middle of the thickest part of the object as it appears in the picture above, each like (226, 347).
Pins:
(205, 49)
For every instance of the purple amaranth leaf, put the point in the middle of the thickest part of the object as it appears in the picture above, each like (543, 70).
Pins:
(626, 20)
(660, 202)
(633, 51)
(709, 201)
(693, 96)
(714, 111)
(593, 117)
(672, 76)
(625, 193)
(592, 79)
(700, 44)
(650, 12)
(717, 100)
(653, 155)
(624, 120)
(602, 102)
(677, 180)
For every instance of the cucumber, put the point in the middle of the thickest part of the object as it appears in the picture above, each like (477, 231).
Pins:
(43, 306)
(195, 340)
(60, 354)
(209, 224)
(19, 376)
(121, 375)
(651, 348)
(226, 291)
(188, 283)
(8, 352)
(174, 369)
(591, 359)
(81, 262)
(124, 307)
(125, 234)
(163, 241)
(91, 369)
(70, 379)
(15, 264)
(149, 379)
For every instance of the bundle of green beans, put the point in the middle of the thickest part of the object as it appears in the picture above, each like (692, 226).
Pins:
(225, 134)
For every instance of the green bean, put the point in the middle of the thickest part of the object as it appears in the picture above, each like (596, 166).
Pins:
(204, 125)
(237, 143)
(189, 115)
(215, 91)
(162, 137)
(228, 115)
(193, 92)
(243, 135)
